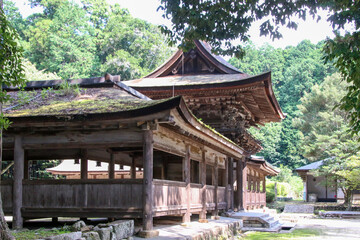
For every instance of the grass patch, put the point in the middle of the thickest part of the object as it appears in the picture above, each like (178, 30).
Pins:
(296, 234)
(37, 234)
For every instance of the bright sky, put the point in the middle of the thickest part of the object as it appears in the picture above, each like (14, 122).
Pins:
(146, 9)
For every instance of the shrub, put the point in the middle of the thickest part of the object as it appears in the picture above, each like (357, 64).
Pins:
(270, 196)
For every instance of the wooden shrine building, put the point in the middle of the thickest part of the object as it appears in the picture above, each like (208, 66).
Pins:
(189, 166)
(224, 98)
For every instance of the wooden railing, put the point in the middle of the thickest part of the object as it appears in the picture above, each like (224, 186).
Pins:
(255, 199)
(170, 197)
(76, 197)
(67, 197)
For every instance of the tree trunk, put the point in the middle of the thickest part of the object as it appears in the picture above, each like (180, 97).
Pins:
(347, 198)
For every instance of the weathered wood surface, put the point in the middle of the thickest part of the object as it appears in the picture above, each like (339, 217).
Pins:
(255, 199)
(169, 196)
(147, 190)
(169, 141)
(7, 195)
(76, 139)
(69, 194)
(186, 170)
(17, 186)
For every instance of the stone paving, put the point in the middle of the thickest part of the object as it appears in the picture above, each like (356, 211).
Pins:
(336, 229)
(300, 208)
(195, 230)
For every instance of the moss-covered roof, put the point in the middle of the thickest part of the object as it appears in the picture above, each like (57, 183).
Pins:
(50, 102)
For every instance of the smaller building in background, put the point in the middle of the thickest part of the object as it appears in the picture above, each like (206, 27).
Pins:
(320, 188)
(70, 169)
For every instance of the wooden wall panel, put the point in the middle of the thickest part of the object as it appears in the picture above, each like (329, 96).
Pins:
(6, 196)
(83, 194)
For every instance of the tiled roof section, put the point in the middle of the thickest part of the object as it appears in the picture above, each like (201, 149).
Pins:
(186, 80)
(311, 166)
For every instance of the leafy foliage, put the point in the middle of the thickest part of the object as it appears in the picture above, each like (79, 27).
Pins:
(294, 71)
(221, 22)
(10, 75)
(345, 52)
(88, 38)
(326, 134)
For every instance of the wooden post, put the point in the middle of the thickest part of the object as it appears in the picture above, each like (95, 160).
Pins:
(264, 184)
(84, 164)
(148, 180)
(112, 166)
(226, 184)
(202, 215)
(18, 187)
(239, 184)
(133, 167)
(186, 174)
(231, 181)
(216, 183)
(244, 185)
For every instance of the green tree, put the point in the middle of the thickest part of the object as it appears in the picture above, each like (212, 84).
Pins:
(10, 75)
(60, 40)
(220, 22)
(89, 39)
(326, 134)
(32, 74)
(130, 47)
(294, 71)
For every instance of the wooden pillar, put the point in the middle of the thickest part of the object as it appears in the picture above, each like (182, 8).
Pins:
(148, 180)
(84, 164)
(18, 187)
(231, 182)
(112, 166)
(226, 184)
(186, 174)
(239, 184)
(264, 184)
(133, 167)
(202, 215)
(244, 185)
(216, 184)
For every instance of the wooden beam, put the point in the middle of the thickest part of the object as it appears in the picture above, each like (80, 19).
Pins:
(186, 171)
(148, 180)
(18, 178)
(112, 166)
(84, 164)
(203, 185)
(77, 139)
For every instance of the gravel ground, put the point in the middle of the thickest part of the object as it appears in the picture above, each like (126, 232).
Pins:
(333, 228)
